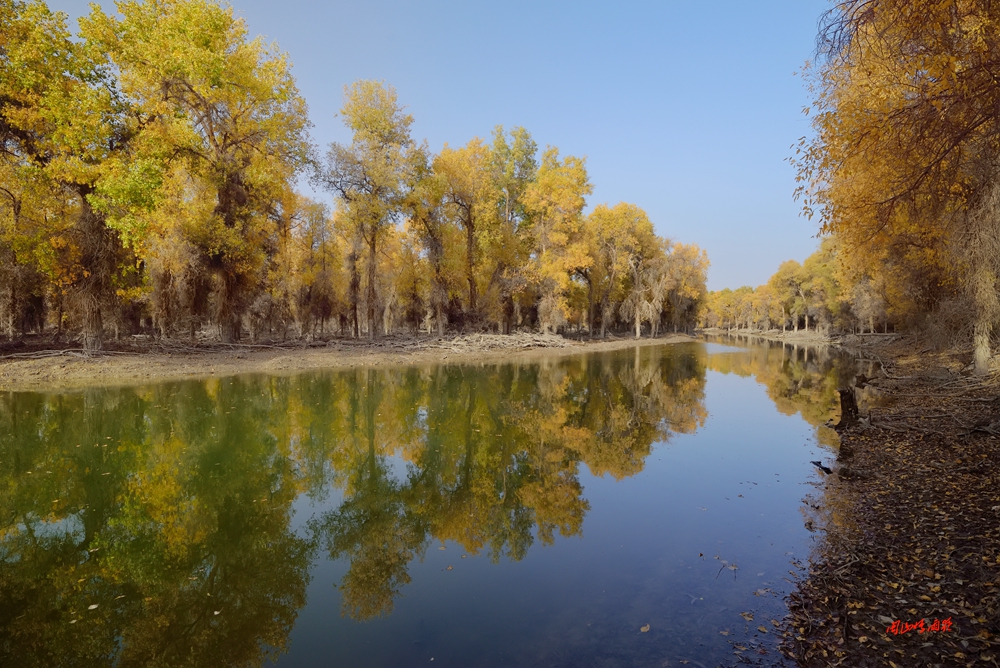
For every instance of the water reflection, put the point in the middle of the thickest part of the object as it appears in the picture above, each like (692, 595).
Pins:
(800, 380)
(153, 526)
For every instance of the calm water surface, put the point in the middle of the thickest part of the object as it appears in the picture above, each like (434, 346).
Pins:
(538, 514)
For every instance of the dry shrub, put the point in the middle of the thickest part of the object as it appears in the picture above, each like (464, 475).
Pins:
(949, 325)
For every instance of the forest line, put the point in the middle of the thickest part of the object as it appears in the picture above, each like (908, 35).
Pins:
(148, 183)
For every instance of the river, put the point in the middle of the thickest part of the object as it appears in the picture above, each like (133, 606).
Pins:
(644, 507)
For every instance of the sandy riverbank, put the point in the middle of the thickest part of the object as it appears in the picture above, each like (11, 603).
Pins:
(68, 369)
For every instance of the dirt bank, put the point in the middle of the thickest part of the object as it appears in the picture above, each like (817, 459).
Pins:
(803, 336)
(908, 571)
(144, 361)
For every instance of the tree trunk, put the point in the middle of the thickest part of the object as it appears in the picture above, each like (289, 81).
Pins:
(229, 316)
(638, 323)
(97, 258)
(11, 310)
(470, 274)
(590, 308)
(983, 254)
(604, 317)
(985, 300)
(370, 288)
(848, 409)
(93, 326)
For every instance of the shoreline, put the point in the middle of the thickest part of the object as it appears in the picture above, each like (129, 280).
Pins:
(808, 337)
(912, 531)
(61, 370)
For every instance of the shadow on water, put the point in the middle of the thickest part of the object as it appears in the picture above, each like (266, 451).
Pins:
(164, 525)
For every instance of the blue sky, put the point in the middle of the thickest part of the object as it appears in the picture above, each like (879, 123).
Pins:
(688, 110)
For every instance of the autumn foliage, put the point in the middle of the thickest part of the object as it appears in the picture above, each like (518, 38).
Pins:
(148, 186)
(902, 170)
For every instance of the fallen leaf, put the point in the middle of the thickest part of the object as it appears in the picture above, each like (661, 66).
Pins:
(747, 616)
(725, 633)
(762, 628)
(93, 607)
(644, 629)
(449, 568)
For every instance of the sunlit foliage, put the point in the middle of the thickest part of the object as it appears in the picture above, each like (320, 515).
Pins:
(147, 184)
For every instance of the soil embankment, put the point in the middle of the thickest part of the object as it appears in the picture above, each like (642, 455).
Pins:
(908, 573)
(146, 361)
(805, 337)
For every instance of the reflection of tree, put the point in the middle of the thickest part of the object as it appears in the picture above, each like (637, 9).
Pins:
(493, 456)
(168, 510)
(800, 380)
(173, 513)
(372, 527)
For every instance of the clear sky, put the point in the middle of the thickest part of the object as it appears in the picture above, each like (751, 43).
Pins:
(687, 109)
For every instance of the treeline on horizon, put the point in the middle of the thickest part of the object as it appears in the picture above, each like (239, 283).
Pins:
(819, 294)
(147, 185)
(903, 173)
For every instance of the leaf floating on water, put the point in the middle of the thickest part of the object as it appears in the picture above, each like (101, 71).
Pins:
(747, 616)
(449, 568)
(442, 548)
(93, 606)
(725, 633)
(775, 623)
(644, 629)
(72, 621)
(218, 612)
(762, 628)
(464, 556)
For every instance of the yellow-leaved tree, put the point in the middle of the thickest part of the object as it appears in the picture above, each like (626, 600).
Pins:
(226, 109)
(904, 166)
(555, 200)
(375, 173)
(67, 127)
